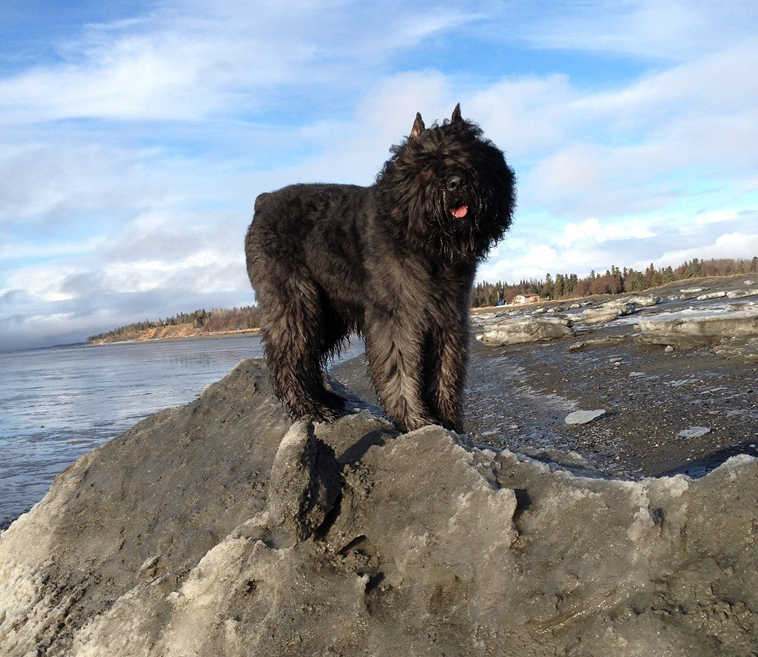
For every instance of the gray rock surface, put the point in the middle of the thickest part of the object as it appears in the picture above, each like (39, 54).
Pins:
(711, 295)
(690, 292)
(219, 529)
(605, 313)
(615, 308)
(694, 432)
(740, 294)
(515, 325)
(643, 300)
(699, 330)
(582, 417)
(517, 331)
(304, 482)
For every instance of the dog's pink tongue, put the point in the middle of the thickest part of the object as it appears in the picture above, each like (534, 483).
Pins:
(460, 212)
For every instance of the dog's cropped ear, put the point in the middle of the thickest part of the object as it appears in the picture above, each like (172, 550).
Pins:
(418, 126)
(456, 114)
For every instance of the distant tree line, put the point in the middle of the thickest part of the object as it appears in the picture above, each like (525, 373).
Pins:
(613, 281)
(223, 319)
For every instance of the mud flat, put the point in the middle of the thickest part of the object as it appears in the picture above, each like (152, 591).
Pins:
(220, 528)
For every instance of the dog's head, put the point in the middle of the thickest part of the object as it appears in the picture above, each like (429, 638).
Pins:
(449, 188)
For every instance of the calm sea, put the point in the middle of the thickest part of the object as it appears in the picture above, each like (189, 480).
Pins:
(56, 404)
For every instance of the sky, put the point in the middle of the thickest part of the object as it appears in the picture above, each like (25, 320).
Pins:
(136, 135)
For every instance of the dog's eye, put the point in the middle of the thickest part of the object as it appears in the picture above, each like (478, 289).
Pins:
(453, 184)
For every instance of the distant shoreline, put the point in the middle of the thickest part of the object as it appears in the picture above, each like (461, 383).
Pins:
(161, 335)
(186, 330)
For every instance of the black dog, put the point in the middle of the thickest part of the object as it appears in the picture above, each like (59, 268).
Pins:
(394, 262)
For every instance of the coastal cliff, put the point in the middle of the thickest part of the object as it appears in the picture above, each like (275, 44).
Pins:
(171, 332)
(221, 528)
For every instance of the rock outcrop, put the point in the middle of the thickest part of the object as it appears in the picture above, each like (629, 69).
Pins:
(691, 292)
(711, 295)
(518, 331)
(741, 294)
(698, 331)
(220, 528)
(610, 310)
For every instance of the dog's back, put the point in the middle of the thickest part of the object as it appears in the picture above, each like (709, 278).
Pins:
(293, 213)
(314, 228)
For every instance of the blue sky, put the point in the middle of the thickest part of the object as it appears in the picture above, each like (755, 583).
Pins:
(136, 136)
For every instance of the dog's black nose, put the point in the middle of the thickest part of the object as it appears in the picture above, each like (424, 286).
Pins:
(453, 184)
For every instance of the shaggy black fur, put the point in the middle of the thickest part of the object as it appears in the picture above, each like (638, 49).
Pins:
(394, 262)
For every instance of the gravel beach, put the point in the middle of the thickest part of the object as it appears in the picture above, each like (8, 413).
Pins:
(519, 395)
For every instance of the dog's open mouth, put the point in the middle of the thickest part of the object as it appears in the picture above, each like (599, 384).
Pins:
(459, 212)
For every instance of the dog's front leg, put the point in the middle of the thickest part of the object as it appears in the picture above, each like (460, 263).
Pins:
(447, 373)
(394, 351)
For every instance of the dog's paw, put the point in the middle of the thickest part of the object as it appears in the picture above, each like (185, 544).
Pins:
(330, 411)
(416, 422)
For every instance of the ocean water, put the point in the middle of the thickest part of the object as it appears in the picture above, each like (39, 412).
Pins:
(56, 404)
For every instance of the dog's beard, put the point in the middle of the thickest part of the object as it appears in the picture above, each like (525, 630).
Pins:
(453, 223)
(455, 206)
(460, 210)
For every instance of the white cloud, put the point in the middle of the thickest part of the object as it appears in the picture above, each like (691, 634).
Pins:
(204, 270)
(236, 96)
(530, 264)
(41, 178)
(532, 252)
(716, 216)
(592, 231)
(748, 184)
(43, 282)
(525, 114)
(727, 245)
(658, 96)
(24, 250)
(187, 62)
(646, 28)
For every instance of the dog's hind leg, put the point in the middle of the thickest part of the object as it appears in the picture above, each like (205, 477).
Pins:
(295, 335)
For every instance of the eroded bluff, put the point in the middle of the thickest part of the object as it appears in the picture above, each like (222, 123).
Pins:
(219, 528)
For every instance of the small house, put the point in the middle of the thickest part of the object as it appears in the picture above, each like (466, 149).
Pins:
(525, 298)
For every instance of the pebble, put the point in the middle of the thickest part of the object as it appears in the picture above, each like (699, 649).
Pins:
(694, 432)
(669, 348)
(582, 417)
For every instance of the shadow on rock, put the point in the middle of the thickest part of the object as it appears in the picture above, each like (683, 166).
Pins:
(702, 466)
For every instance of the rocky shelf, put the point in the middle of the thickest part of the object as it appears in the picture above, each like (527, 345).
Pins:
(220, 528)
